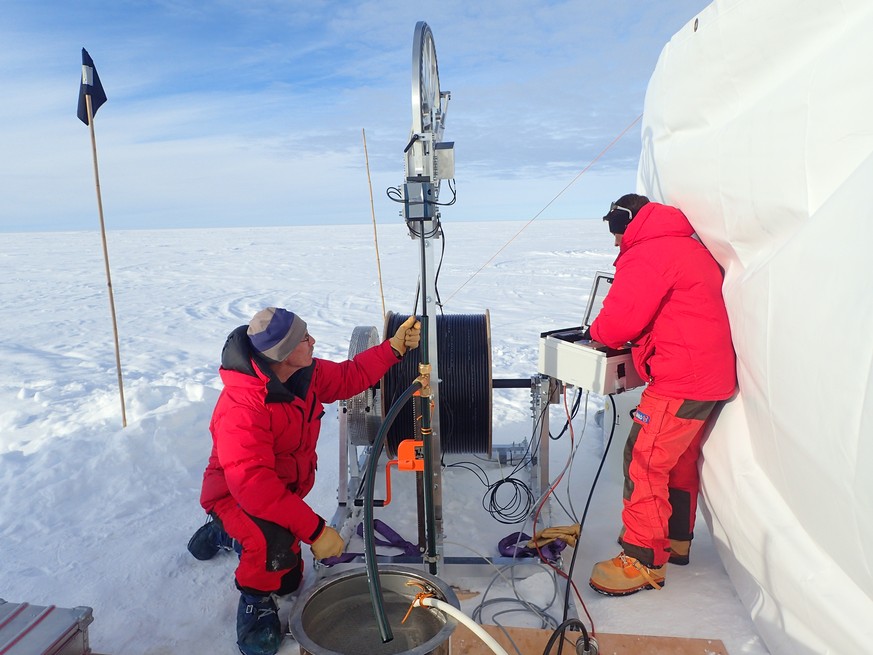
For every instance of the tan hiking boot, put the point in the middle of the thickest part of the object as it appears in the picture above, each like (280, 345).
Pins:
(624, 575)
(679, 551)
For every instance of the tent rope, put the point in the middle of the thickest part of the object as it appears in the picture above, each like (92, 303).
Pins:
(560, 193)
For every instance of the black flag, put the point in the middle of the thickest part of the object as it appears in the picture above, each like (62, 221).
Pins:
(90, 85)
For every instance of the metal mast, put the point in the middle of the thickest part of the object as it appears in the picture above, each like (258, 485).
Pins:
(428, 161)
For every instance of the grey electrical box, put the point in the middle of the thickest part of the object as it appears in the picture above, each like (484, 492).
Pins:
(418, 201)
(445, 160)
(586, 364)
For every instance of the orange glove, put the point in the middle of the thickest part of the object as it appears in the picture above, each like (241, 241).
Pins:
(328, 544)
(567, 533)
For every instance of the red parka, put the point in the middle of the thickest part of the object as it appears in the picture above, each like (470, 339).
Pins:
(666, 299)
(264, 432)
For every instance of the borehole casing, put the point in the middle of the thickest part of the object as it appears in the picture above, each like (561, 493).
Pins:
(335, 616)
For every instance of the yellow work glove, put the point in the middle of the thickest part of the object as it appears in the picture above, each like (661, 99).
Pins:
(567, 533)
(407, 337)
(328, 544)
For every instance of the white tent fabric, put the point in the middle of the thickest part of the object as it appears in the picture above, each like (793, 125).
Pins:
(757, 124)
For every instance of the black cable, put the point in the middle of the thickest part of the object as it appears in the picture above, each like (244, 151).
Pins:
(454, 196)
(416, 234)
(533, 444)
(585, 514)
(558, 634)
(464, 389)
(521, 503)
(516, 509)
(439, 301)
(573, 411)
(394, 193)
(483, 477)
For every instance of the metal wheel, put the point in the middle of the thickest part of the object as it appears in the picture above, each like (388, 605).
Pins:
(426, 110)
(364, 412)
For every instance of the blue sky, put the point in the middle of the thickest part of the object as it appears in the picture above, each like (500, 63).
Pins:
(251, 112)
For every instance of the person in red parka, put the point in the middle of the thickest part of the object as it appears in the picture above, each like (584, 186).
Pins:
(666, 303)
(264, 431)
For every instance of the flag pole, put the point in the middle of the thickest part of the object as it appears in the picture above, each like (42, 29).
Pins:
(106, 257)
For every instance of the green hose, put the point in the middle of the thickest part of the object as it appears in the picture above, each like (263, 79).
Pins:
(369, 539)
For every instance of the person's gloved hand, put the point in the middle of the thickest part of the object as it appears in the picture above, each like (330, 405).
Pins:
(328, 544)
(567, 533)
(407, 337)
(586, 334)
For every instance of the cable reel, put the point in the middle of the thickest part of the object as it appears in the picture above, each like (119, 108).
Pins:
(464, 347)
(363, 411)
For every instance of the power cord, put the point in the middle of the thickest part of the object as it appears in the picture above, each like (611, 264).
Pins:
(582, 522)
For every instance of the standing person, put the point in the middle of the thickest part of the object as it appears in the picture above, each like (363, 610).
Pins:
(264, 431)
(665, 300)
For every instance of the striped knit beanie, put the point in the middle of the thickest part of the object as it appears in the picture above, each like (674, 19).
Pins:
(275, 332)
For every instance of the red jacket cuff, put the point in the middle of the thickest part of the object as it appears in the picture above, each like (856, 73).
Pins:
(315, 535)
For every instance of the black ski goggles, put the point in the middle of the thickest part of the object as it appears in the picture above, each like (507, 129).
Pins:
(618, 218)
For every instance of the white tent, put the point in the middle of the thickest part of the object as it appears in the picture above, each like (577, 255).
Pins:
(758, 126)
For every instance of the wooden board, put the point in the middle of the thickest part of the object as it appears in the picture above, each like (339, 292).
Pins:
(532, 641)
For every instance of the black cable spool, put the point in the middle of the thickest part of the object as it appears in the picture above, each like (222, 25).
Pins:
(464, 361)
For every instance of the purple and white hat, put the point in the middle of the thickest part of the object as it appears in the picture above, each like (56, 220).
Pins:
(275, 332)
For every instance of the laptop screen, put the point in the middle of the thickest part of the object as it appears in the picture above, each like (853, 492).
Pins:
(602, 283)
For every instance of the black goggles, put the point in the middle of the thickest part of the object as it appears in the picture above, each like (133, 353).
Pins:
(618, 218)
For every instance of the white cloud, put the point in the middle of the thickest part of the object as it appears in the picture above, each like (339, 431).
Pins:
(227, 110)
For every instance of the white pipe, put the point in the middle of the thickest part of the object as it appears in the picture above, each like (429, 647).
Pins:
(474, 627)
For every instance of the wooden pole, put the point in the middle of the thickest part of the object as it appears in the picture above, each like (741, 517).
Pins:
(106, 258)
(373, 213)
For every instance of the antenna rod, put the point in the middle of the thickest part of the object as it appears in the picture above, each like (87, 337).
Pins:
(426, 430)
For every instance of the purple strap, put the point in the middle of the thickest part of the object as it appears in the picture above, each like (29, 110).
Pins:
(515, 545)
(392, 540)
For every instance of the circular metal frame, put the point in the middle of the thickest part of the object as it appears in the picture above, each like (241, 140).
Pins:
(425, 81)
(363, 410)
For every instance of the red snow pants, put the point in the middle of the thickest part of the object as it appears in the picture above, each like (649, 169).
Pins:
(270, 561)
(661, 478)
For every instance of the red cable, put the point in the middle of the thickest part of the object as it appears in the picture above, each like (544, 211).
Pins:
(537, 515)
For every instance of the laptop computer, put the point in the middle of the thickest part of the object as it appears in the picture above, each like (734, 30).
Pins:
(599, 288)
(564, 355)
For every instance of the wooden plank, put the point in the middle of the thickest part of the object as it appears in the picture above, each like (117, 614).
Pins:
(532, 641)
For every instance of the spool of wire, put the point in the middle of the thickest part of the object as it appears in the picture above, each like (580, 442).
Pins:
(464, 362)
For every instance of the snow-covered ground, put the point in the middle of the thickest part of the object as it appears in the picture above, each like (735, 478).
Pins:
(98, 515)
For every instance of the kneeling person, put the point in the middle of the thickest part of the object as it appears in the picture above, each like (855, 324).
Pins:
(264, 429)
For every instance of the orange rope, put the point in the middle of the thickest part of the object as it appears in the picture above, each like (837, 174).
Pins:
(560, 193)
(421, 595)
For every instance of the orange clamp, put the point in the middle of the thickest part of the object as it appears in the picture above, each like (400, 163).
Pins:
(410, 455)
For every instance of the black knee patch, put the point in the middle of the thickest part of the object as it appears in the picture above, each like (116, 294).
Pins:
(291, 580)
(679, 525)
(281, 554)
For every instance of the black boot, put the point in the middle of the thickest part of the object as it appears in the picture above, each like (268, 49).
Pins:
(209, 539)
(257, 625)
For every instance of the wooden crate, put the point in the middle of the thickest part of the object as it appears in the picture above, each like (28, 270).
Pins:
(532, 641)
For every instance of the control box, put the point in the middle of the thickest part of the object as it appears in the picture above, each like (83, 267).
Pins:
(589, 365)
